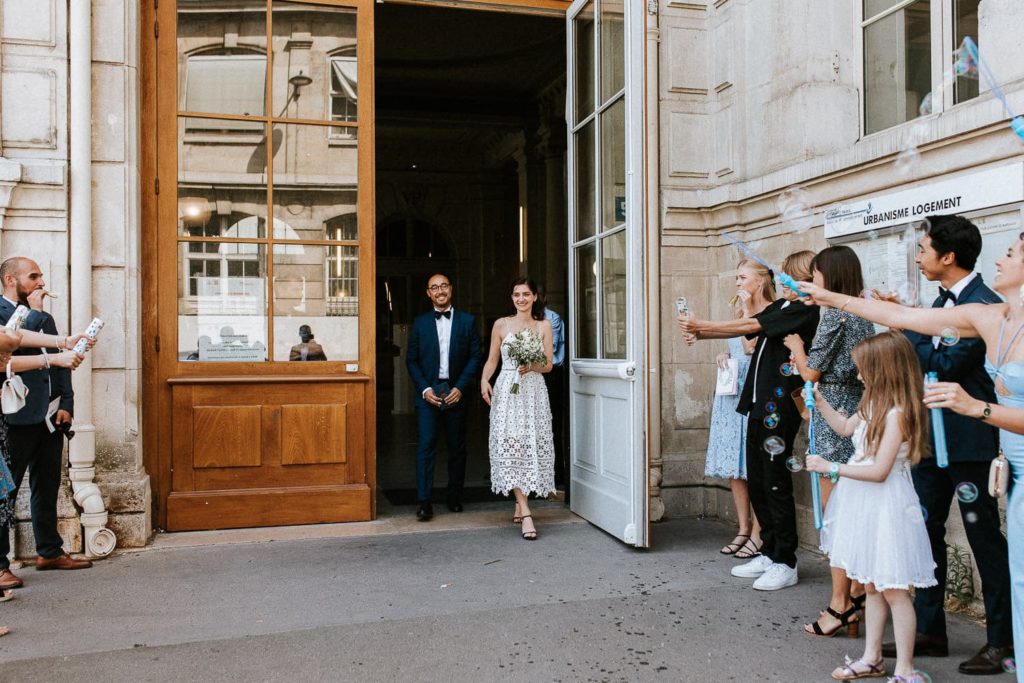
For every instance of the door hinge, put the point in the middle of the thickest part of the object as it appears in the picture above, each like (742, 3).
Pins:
(156, 341)
(156, 185)
(652, 6)
(156, 29)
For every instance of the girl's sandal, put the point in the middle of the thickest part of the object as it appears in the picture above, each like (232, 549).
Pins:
(732, 548)
(4, 631)
(749, 550)
(845, 619)
(529, 535)
(853, 670)
(6, 595)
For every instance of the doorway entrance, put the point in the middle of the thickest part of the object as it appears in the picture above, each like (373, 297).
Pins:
(470, 182)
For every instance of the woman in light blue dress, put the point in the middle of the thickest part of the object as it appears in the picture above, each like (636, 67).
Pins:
(1001, 327)
(755, 289)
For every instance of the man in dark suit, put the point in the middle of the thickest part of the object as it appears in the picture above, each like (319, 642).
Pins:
(33, 446)
(443, 358)
(947, 254)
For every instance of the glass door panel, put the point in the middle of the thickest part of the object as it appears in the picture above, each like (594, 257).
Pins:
(316, 299)
(242, 157)
(607, 379)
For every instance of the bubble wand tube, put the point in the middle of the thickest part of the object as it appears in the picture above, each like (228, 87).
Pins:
(815, 482)
(785, 279)
(938, 427)
(1016, 122)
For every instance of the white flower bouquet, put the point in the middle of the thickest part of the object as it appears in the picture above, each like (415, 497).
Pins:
(525, 347)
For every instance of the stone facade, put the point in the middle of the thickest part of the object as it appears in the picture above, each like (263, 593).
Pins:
(34, 205)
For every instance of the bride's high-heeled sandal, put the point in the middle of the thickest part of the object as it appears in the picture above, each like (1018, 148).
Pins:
(516, 517)
(530, 535)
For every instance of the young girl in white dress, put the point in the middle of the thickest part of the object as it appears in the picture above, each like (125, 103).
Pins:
(873, 527)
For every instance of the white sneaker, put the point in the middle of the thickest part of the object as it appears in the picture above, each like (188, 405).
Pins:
(752, 569)
(775, 577)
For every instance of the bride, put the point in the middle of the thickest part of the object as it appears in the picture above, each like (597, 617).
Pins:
(521, 442)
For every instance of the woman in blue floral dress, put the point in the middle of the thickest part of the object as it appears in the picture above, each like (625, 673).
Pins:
(726, 459)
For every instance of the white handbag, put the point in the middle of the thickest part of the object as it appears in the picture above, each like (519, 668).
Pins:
(12, 396)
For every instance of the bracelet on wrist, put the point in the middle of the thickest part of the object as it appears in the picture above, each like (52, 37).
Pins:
(846, 303)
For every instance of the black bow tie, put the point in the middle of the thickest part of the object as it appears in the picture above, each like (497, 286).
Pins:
(946, 295)
(438, 314)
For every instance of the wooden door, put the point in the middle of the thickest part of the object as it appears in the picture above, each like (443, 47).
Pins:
(263, 377)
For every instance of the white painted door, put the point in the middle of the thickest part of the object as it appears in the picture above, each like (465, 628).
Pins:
(606, 314)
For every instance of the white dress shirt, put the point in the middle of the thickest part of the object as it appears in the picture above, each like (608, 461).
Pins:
(956, 289)
(444, 336)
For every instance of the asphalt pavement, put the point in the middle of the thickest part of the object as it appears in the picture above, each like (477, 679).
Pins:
(476, 604)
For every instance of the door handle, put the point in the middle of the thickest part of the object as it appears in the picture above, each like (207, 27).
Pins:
(625, 370)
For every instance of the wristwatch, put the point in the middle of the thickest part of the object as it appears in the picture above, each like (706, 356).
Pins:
(833, 471)
(987, 412)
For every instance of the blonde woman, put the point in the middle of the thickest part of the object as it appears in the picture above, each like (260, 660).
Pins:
(726, 457)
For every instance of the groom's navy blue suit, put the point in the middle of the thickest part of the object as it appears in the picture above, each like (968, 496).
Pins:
(423, 359)
(972, 445)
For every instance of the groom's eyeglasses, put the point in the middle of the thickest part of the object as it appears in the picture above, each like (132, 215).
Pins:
(439, 287)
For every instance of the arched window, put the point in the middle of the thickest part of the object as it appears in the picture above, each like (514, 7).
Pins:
(225, 81)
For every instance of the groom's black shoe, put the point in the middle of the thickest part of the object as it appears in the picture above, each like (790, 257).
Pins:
(924, 646)
(425, 512)
(988, 661)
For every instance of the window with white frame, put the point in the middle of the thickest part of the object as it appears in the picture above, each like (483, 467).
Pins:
(909, 50)
(342, 267)
(225, 268)
(344, 93)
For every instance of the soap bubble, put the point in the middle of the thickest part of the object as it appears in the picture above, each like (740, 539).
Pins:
(908, 294)
(914, 510)
(771, 406)
(793, 464)
(949, 336)
(964, 65)
(872, 235)
(966, 492)
(971, 517)
(907, 160)
(786, 369)
(919, 677)
(774, 445)
(926, 105)
(779, 392)
(1009, 665)
(771, 421)
(794, 207)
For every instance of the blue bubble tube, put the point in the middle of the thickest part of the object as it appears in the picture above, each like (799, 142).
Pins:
(815, 481)
(785, 279)
(938, 427)
(1016, 122)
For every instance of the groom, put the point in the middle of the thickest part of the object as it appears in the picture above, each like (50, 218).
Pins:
(443, 358)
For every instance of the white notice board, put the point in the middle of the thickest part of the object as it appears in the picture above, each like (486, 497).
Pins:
(887, 255)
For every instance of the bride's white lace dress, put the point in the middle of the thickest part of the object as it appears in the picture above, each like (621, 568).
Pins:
(521, 443)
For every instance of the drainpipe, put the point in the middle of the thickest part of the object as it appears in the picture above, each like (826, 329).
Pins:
(98, 540)
(653, 262)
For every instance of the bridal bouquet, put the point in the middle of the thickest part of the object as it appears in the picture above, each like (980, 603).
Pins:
(525, 347)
